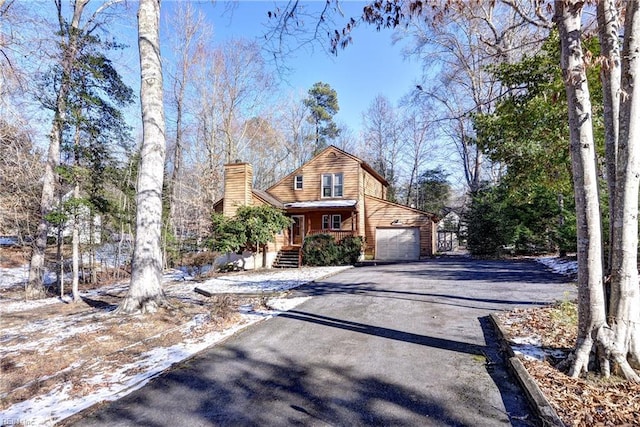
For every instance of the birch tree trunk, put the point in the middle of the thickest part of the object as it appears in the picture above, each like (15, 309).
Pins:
(618, 340)
(591, 312)
(145, 290)
(625, 298)
(608, 30)
(34, 287)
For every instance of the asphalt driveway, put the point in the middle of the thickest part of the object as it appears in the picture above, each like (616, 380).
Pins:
(403, 344)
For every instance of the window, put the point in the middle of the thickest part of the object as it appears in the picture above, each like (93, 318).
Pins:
(297, 182)
(331, 222)
(336, 222)
(332, 185)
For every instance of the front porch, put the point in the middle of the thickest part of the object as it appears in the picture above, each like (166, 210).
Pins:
(339, 223)
(338, 235)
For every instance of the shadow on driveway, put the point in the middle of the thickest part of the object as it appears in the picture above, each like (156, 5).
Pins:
(227, 388)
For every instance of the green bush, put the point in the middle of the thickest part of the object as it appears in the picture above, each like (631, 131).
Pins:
(320, 250)
(323, 250)
(350, 250)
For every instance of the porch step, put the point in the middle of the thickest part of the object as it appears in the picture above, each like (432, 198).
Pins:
(287, 258)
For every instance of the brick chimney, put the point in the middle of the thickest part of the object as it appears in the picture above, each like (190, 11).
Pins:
(238, 178)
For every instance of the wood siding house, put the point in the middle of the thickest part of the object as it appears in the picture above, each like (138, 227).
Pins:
(339, 194)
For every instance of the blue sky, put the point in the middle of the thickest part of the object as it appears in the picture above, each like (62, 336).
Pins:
(372, 65)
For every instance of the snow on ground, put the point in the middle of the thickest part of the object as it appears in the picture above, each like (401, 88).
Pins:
(57, 405)
(10, 277)
(530, 347)
(270, 281)
(559, 265)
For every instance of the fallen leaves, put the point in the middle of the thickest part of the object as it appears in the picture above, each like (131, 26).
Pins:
(579, 402)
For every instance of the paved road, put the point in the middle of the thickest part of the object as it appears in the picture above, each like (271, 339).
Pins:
(404, 344)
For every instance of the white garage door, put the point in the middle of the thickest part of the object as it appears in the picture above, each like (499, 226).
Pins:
(399, 243)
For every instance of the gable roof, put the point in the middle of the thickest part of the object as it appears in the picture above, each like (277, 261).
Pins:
(268, 198)
(262, 195)
(364, 165)
(434, 217)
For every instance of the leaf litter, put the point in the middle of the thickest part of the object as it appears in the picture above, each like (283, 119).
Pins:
(59, 358)
(543, 338)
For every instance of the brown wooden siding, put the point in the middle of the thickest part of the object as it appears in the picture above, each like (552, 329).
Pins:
(238, 179)
(380, 213)
(331, 161)
(372, 187)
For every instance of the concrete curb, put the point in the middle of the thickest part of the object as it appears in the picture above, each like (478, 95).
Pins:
(537, 399)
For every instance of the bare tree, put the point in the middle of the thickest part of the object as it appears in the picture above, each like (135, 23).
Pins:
(19, 190)
(145, 290)
(458, 47)
(383, 136)
(189, 35)
(244, 88)
(418, 132)
(265, 151)
(591, 291)
(209, 154)
(297, 131)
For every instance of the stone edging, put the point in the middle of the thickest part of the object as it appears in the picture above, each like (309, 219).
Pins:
(537, 399)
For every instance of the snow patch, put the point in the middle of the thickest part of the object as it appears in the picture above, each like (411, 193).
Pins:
(268, 281)
(60, 403)
(559, 265)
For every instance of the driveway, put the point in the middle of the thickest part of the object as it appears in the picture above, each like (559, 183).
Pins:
(402, 344)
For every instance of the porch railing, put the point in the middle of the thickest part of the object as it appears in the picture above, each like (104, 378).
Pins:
(338, 235)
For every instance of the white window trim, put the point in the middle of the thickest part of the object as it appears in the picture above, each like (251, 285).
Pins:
(333, 222)
(332, 185)
(329, 222)
(295, 182)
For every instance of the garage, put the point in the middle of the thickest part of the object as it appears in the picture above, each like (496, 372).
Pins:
(398, 244)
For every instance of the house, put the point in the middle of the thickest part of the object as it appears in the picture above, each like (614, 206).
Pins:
(338, 194)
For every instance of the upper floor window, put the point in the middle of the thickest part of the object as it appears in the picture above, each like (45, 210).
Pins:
(332, 185)
(297, 182)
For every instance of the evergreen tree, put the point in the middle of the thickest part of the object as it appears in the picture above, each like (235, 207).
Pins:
(433, 191)
(323, 105)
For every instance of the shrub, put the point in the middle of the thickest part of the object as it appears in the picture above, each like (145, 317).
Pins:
(323, 250)
(320, 250)
(350, 248)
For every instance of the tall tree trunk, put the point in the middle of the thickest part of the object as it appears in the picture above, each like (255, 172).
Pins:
(75, 244)
(625, 297)
(617, 341)
(177, 167)
(591, 313)
(608, 33)
(145, 290)
(34, 287)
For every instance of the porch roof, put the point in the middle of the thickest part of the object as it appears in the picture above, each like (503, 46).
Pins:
(323, 204)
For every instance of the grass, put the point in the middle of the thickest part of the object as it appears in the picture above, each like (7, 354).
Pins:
(35, 360)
